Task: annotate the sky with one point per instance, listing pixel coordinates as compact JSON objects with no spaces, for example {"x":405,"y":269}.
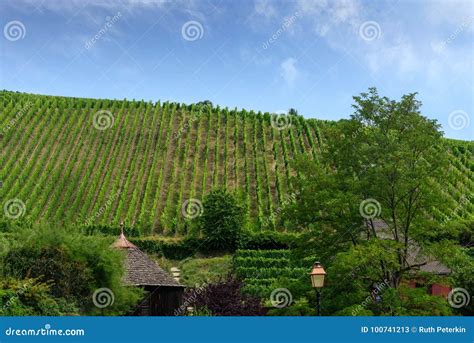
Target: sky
{"x":269,"y":56}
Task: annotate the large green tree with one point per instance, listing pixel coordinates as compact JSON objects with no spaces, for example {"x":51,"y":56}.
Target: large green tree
{"x":378,"y":166}
{"x":222,"y":220}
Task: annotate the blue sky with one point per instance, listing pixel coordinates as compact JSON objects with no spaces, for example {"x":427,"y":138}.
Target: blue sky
{"x":263,"y":55}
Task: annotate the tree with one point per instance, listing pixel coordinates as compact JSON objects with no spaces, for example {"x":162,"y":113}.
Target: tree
{"x":381,"y":163}
{"x":30,"y":297}
{"x":73,"y":266}
{"x":356,"y":285}
{"x":222,"y":220}
{"x":292,"y":112}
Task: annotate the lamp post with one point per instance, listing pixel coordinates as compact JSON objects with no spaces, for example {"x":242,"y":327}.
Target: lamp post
{"x":317,"y":280}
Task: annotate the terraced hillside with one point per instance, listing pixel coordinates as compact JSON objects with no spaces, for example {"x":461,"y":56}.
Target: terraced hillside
{"x":97,"y":162}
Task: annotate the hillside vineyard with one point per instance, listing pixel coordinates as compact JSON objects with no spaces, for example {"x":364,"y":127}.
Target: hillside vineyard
{"x":101,"y":162}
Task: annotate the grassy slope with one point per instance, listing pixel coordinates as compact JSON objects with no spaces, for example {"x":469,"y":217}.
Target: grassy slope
{"x":155,"y":156}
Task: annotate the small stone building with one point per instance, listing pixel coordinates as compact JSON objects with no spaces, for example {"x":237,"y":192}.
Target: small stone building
{"x":163,"y":294}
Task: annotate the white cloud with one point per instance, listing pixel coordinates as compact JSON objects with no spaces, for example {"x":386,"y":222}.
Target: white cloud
{"x":453,"y":13}
{"x":288,"y":71}
{"x":330,"y":15}
{"x":265,"y":8}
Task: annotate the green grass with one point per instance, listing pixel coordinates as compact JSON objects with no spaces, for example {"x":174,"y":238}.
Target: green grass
{"x":197,"y":271}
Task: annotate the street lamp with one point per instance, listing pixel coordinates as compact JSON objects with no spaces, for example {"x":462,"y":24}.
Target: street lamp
{"x":317,"y":280}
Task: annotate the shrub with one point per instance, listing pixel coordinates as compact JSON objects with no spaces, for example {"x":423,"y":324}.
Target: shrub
{"x":171,"y":249}
{"x":30,"y":297}
{"x":73,"y":265}
{"x":222,"y":220}
{"x":266,"y":240}
{"x":225,"y":298}
{"x":300,"y":307}
{"x":204,"y":270}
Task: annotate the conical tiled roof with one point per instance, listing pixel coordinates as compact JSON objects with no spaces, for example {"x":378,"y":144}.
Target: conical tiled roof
{"x":140,"y":269}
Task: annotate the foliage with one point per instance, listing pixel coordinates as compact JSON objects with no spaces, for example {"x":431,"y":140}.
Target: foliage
{"x":116,"y":174}
{"x":222,"y":220}
{"x":414,"y":302}
{"x":381,"y":163}
{"x":301,"y":307}
{"x":30,"y":297}
{"x":462,"y":268}
{"x":262,"y":271}
{"x":225,"y":298}
{"x":74,"y":267}
{"x":358,"y":285}
{"x":266,"y":240}
{"x":175,"y":249}
{"x":199,"y":271}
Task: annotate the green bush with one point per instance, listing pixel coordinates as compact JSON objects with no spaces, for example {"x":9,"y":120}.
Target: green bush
{"x":266,"y":240}
{"x":30,"y":297}
{"x":111,"y":230}
{"x":300,"y":307}
{"x":171,"y":249}
{"x":199,"y":271}
{"x":73,"y":265}
{"x":221,"y":221}
{"x":279,"y":254}
{"x":272,"y":272}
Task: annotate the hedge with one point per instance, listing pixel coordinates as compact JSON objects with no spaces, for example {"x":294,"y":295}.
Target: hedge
{"x":266,"y":240}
